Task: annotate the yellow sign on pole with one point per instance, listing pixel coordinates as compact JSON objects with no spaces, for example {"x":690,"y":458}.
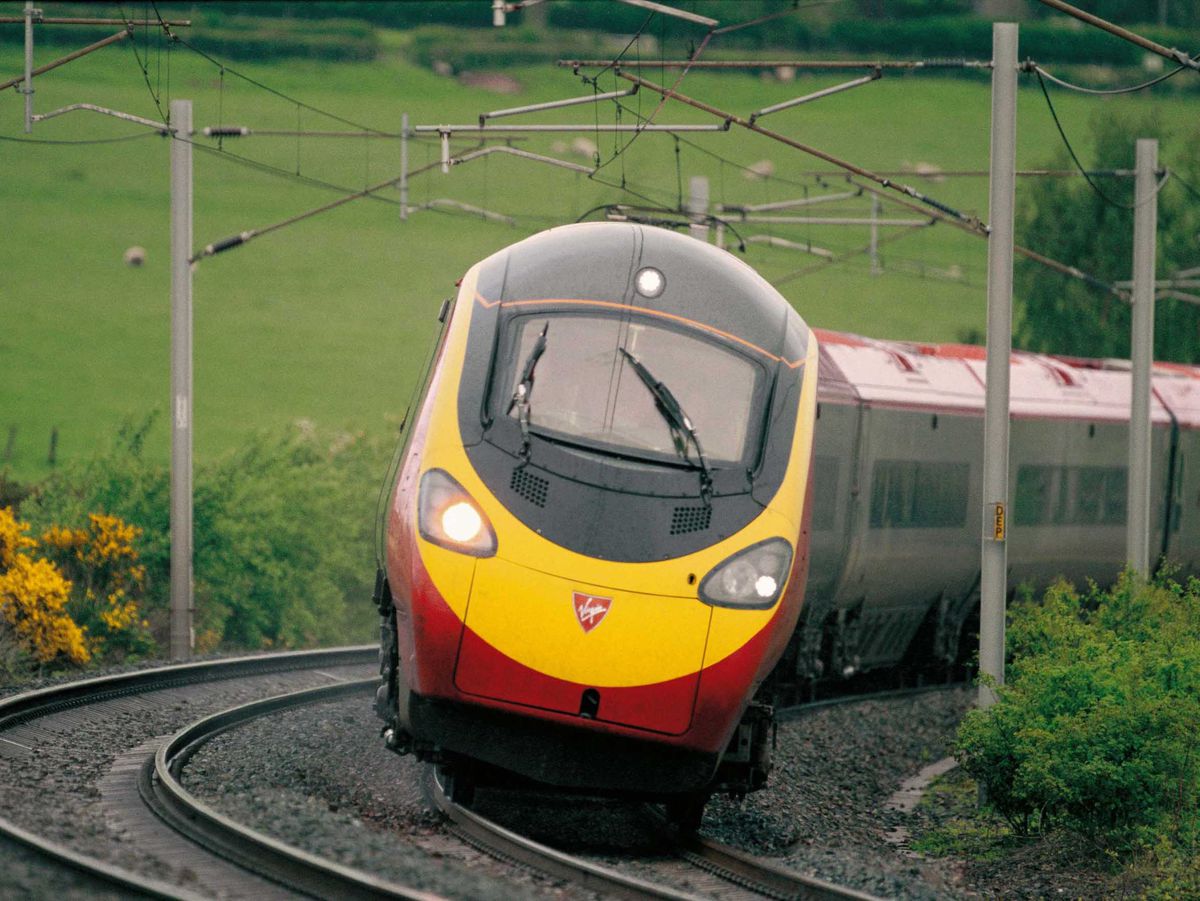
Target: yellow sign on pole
{"x":998,"y":523}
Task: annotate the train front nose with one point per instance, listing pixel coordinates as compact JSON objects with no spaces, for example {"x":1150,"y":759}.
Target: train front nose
{"x":552,"y":643}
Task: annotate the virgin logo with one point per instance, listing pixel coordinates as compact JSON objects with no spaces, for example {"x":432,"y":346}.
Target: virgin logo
{"x":590,"y":610}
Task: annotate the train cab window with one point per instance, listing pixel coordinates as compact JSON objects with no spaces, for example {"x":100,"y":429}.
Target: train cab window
{"x":919,"y":494}
{"x":586,"y":389}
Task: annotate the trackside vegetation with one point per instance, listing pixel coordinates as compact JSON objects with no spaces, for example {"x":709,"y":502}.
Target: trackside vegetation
{"x":1095,"y":730}
{"x":283,"y":529}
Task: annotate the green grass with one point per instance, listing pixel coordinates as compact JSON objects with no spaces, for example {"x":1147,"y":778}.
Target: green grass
{"x":960,"y":828}
{"x":330,"y":319}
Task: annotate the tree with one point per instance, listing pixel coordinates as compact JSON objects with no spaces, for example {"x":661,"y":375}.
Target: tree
{"x":1068,"y":220}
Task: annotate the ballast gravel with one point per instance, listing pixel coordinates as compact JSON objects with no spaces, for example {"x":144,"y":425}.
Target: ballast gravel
{"x":51,"y":768}
{"x":318,"y":777}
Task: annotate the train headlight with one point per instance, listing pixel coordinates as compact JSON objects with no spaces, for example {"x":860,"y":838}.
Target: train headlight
{"x":462,"y":522}
{"x":750,"y":579}
{"x":447,"y":516}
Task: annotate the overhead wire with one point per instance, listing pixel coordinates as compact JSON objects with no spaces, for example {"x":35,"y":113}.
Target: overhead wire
{"x":692,"y":57}
{"x":1106,"y":92}
{"x":260,"y":85}
{"x":117,"y":140}
{"x":624,"y":186}
{"x":842,"y":258}
{"x":278,"y":171}
{"x":796,"y":7}
{"x":145,"y":70}
{"x":634,"y":42}
{"x":1075,"y":157}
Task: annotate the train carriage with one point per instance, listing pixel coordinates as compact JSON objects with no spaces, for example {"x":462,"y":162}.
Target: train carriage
{"x":897,"y":469}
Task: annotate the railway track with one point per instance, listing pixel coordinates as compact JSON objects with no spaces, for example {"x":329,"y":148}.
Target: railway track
{"x":143,"y":790}
{"x":160,"y":787}
{"x":712,"y":869}
{"x":216,"y":855}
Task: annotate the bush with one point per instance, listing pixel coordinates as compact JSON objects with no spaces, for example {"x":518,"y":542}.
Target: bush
{"x":264,"y":39}
{"x":33,"y":601}
{"x":282,"y":534}
{"x":231,"y":37}
{"x":512,"y":46}
{"x":106,"y":584}
{"x":1096,"y":728}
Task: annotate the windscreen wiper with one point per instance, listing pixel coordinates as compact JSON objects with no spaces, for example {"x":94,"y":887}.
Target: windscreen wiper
{"x":520,"y":398}
{"x":680,"y":425}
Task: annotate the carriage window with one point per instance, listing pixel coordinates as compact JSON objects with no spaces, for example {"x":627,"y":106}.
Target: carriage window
{"x":919,"y":494}
{"x":825,"y":492}
{"x":1071,"y":495}
{"x":585,"y":389}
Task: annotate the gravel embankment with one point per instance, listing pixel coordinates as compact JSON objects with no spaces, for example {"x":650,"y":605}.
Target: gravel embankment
{"x":328,"y":785}
{"x":825,"y":810}
{"x":49,"y":778}
{"x":25,"y":874}
{"x":320,"y":778}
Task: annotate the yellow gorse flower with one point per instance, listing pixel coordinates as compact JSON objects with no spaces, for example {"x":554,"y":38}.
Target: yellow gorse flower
{"x":63,"y":539}
{"x":33,"y":600}
{"x":37,"y":599}
{"x":13,"y":541}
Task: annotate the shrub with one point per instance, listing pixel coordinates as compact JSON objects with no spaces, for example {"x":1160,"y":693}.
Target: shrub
{"x":282,"y":533}
{"x":1096,"y":728}
{"x":107,"y":583}
{"x":514,"y":46}
{"x":33,"y":600}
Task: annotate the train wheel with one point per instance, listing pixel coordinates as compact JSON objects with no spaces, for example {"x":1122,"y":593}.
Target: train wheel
{"x":458,"y":782}
{"x":687,"y":811}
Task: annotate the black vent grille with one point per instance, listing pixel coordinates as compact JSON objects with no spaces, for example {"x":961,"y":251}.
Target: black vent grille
{"x":690,"y":519}
{"x":532,"y":488}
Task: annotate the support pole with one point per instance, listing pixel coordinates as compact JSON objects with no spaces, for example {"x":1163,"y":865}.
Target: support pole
{"x":1145,"y":218}
{"x":993,"y":591}
{"x":404,"y":167}
{"x":181,"y":380}
{"x":697,"y":207}
{"x":27,"y":89}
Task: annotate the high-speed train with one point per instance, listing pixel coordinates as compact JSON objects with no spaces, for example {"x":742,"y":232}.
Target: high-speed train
{"x":596,"y":540}
{"x":640,"y":501}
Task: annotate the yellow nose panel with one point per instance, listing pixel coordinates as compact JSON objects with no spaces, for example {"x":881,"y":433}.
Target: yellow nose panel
{"x":537,"y":620}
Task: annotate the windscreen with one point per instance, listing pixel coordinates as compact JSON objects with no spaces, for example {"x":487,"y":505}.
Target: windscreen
{"x":585,"y":389}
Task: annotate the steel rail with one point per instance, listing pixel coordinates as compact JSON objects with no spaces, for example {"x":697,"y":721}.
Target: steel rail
{"x":764,"y":876}
{"x":26,"y":706}
{"x":494,"y":839}
{"x":761,"y":876}
{"x":250,"y":849}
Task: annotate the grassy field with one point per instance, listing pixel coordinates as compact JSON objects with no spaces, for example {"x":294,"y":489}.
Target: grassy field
{"x":329,"y":320}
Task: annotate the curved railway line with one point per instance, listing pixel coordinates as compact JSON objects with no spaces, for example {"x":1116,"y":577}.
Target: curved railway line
{"x":40,"y":722}
{"x":734,"y":873}
{"x":143,"y":790}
